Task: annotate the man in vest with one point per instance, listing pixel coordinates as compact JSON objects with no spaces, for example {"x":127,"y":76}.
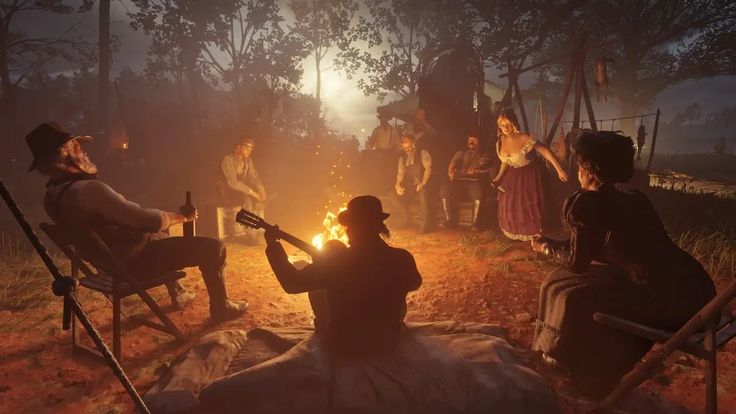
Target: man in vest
{"x":412,"y":179}
{"x":467,"y":173}
{"x":76,"y":199}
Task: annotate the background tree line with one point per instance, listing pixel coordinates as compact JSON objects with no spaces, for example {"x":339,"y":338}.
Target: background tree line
{"x":237,"y":65}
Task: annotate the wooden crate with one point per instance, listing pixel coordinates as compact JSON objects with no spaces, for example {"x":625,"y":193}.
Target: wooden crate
{"x":218,"y":221}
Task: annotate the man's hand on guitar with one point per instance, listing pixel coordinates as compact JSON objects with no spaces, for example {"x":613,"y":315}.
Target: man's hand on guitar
{"x":271,"y":234}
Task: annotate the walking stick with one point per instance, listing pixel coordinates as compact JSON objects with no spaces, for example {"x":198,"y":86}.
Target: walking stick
{"x":65,"y":286}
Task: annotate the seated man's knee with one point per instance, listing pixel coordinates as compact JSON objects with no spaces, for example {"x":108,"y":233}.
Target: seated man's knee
{"x":476,"y":190}
{"x":446,"y":190}
{"x":213,"y":250}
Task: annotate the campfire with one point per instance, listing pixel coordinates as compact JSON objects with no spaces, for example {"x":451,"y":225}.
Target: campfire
{"x":331,"y":230}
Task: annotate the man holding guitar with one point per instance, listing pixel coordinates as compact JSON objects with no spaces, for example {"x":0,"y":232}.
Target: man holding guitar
{"x":366,"y":284}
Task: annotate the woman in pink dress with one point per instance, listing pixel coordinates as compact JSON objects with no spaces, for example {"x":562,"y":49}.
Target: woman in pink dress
{"x":519,"y":180}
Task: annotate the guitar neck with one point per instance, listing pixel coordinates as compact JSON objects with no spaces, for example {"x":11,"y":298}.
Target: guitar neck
{"x":299,"y":243}
{"x":251,"y":220}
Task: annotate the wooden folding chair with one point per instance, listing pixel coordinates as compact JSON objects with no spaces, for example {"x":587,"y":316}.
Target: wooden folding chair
{"x":701,"y":337}
{"x":111,"y":278}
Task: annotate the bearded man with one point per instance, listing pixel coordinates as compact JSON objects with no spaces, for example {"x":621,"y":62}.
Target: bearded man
{"x":76,"y":198}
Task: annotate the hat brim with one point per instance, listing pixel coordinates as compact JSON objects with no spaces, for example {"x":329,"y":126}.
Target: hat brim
{"x":345,"y":217}
{"x":84,"y":139}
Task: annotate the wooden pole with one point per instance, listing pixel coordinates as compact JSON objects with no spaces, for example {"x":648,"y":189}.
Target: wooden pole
{"x":588,"y":103}
{"x":578,"y":88}
{"x":561,"y":105}
{"x":654,"y":141}
{"x":519,"y":99}
{"x":103,"y":66}
{"x":544,"y":121}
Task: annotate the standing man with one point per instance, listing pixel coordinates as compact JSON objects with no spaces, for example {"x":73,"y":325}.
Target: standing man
{"x":467,"y":172}
{"x":412,"y":180}
{"x":380,"y":156}
{"x":75,"y":198}
{"x":384,"y":136}
{"x":238,"y":182}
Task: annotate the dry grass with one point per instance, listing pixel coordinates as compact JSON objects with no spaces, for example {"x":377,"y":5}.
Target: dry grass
{"x":485,"y":245}
{"x":716,"y":251}
{"x":25,"y":282}
{"x":701,"y":224}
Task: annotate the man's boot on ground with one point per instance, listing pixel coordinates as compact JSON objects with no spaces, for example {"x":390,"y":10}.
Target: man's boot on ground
{"x":229,"y":310}
{"x":180,"y":297}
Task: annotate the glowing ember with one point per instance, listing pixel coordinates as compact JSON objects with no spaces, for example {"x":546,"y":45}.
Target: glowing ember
{"x":331,"y":230}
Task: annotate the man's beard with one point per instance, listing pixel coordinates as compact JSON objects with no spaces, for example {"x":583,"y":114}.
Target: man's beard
{"x":83,"y":163}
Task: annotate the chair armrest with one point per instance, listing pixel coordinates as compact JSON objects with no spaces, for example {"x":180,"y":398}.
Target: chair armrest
{"x":693,"y":346}
{"x":633,"y":328}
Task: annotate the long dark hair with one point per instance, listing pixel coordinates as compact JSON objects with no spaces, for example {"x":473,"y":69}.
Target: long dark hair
{"x":608,"y":155}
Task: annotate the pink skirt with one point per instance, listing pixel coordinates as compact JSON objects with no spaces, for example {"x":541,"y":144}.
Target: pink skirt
{"x":520,"y":207}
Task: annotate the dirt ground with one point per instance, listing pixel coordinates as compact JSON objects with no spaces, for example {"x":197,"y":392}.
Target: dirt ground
{"x":481,"y":277}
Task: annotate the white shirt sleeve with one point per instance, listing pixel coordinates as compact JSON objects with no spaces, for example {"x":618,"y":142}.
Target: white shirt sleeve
{"x":231,"y":176}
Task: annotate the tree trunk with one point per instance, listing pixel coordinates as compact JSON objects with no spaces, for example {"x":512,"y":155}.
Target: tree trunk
{"x":5,"y":83}
{"x":318,"y":92}
{"x":104,"y":67}
{"x":8,"y":97}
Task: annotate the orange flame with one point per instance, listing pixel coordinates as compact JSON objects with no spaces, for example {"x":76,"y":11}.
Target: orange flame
{"x":331,"y":230}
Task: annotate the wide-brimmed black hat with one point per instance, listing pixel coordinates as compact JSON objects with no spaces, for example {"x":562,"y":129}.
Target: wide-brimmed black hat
{"x":362,"y":208}
{"x":47,"y":138}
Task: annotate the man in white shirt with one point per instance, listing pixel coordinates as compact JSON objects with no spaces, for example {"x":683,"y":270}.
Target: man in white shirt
{"x":380,"y":156}
{"x":76,"y":198}
{"x":238,"y":182}
{"x":384,"y":136}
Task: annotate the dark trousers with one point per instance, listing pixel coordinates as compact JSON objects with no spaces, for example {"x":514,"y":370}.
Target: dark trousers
{"x":401,"y":204}
{"x":175,"y":253}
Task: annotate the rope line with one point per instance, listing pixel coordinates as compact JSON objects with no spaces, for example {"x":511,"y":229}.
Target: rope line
{"x":642,"y":116}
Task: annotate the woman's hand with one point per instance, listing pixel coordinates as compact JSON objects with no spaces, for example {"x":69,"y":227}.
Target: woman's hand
{"x":563,"y":175}
{"x":538,"y":243}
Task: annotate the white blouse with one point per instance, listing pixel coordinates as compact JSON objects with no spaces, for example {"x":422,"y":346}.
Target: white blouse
{"x":521,"y":158}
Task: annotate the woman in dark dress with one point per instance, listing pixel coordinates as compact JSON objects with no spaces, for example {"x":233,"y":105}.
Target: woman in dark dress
{"x":639,"y":273}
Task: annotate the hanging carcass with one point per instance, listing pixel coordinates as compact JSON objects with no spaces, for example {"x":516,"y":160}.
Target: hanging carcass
{"x":601,"y":77}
